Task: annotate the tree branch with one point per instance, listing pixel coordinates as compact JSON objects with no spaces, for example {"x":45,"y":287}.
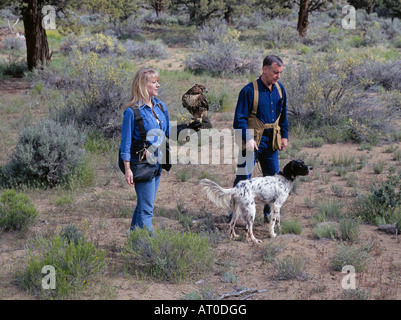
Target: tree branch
{"x":240,"y":292}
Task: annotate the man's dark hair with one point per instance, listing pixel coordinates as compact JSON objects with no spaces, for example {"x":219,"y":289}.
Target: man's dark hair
{"x":270,"y":59}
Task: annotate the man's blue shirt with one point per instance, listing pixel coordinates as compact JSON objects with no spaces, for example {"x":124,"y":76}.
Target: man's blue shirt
{"x":155,"y":133}
{"x":269,"y":109}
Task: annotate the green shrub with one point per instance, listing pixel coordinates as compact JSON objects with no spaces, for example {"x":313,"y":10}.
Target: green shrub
{"x":373,"y":35}
{"x":397,"y":155}
{"x":151,"y":49}
{"x":291,"y":226}
{"x":327,"y":209}
{"x":229,"y":277}
{"x":17,"y":211}
{"x":83,"y":176}
{"x":204,"y":225}
{"x":271,"y":250}
{"x":14,"y":69}
{"x":304,"y":50}
{"x":98,"y":94}
{"x":346,"y":229}
{"x":387,"y":194}
{"x":99,"y":43}
{"x":329,"y":92}
{"x":168,"y":255}
{"x":397,"y":42}
{"x":357,"y":41}
{"x":291,"y":268}
{"x":382,"y":204}
{"x":383,"y":72}
{"x":325,"y":230}
{"x":44,"y":155}
{"x":98,"y":144}
{"x":184,"y":216}
{"x":14,"y":62}
{"x":219,"y":99}
{"x":355,"y":294}
{"x":378,"y":167}
{"x":338,"y":190}
{"x":71,"y":233}
{"x":208,"y":175}
{"x":205,"y":293}
{"x":281,"y":35}
{"x":13,"y":44}
{"x":356,"y":256}
{"x":184,"y":174}
{"x":392,"y":100}
{"x":314,"y":142}
{"x":349,"y":229}
{"x":342,"y":160}
{"x":75,"y":263}
{"x":219,"y":51}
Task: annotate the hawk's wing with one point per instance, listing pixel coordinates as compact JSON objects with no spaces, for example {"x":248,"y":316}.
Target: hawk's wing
{"x":188,"y":102}
{"x":202,"y":102}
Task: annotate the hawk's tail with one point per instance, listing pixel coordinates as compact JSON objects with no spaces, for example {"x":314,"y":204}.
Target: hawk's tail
{"x":218,"y":195}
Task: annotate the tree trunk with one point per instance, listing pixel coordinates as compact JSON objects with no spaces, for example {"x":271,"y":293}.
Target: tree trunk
{"x":36,"y":41}
{"x":303,"y":18}
{"x":371,"y":7}
{"x":228,"y":15}
{"x":192,"y":14}
{"x":158,"y":7}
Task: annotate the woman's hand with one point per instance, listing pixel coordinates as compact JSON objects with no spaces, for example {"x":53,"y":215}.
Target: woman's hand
{"x":129,"y":177}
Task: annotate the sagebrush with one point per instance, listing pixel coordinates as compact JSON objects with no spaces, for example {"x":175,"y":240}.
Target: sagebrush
{"x":45,"y":154}
{"x":75,"y":263}
{"x":99,"y":92}
{"x":218,"y":50}
{"x":17,"y":211}
{"x":167,"y":254}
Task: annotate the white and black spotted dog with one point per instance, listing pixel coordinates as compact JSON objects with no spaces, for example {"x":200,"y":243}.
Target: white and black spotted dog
{"x":241,"y":199}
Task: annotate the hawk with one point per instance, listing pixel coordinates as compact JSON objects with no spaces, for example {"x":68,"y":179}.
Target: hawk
{"x":196,"y":103}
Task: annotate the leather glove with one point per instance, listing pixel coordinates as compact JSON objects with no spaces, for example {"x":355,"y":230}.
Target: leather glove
{"x":194,"y":125}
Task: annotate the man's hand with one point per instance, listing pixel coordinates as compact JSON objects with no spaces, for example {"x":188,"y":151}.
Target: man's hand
{"x":251,"y":145}
{"x":284,"y":144}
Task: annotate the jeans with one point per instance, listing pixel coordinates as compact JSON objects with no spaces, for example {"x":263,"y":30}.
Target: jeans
{"x":269,"y":164}
{"x":146,"y":195}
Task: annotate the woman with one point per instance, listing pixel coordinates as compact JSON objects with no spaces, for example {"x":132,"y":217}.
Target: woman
{"x":155,"y":117}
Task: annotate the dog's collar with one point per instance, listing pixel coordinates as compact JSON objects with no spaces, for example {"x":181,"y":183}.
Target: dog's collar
{"x":291,"y":178}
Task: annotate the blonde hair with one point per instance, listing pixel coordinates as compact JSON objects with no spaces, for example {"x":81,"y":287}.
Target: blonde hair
{"x":139,"y":92}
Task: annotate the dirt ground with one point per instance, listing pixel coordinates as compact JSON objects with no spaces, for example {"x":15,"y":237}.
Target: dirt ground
{"x":95,"y":211}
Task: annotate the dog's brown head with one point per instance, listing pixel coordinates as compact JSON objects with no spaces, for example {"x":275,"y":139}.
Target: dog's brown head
{"x":296,"y":168}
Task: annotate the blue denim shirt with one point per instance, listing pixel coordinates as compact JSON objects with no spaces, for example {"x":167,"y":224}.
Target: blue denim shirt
{"x":268,"y":110}
{"x":156,"y":134}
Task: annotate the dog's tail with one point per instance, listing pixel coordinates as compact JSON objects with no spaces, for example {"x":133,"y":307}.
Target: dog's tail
{"x":220,"y":196}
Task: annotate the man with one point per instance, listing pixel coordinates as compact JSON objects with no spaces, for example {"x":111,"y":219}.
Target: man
{"x":272,"y":105}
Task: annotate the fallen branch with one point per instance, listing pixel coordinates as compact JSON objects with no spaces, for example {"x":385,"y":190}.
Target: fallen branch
{"x":241,"y":292}
{"x":388,"y":228}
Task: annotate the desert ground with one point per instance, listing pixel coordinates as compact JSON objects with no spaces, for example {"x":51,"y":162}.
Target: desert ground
{"x":97,"y":212}
{"x":241,"y":270}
